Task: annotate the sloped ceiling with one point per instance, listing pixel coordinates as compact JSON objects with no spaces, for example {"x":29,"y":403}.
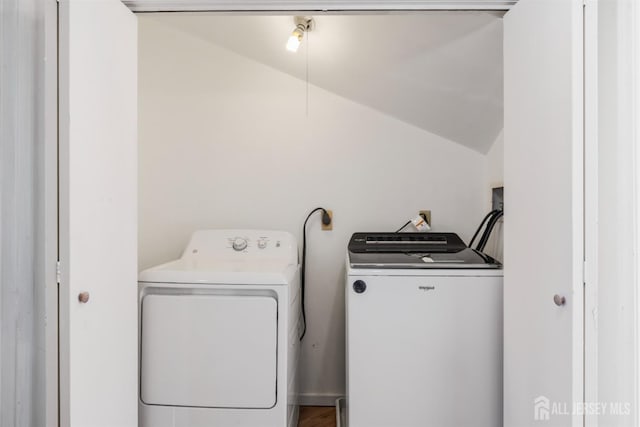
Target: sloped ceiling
{"x":440,"y":71}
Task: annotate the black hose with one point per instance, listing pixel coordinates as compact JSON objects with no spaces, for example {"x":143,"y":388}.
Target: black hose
{"x":481,"y":225}
{"x":488,"y":231}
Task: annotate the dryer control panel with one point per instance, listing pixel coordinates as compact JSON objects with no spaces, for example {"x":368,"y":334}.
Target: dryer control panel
{"x":248,"y":244}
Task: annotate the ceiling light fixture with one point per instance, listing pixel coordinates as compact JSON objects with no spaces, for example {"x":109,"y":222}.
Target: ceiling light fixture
{"x":303,"y":24}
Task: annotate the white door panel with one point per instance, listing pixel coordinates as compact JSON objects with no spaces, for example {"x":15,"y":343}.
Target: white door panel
{"x":209,"y":351}
{"x":98,"y":213}
{"x":543,"y":204}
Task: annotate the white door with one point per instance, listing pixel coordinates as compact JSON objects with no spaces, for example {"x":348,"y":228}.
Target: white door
{"x":543,"y":379}
{"x":98,"y":213}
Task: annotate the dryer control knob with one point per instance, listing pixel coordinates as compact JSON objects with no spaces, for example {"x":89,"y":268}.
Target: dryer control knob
{"x":359,"y":286}
{"x":239,"y":244}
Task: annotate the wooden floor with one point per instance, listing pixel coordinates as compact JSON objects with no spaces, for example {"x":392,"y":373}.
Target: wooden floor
{"x":317,"y":416}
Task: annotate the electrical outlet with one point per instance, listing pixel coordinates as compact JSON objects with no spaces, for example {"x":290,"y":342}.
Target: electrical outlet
{"x":328,"y":227}
{"x":427,"y":215}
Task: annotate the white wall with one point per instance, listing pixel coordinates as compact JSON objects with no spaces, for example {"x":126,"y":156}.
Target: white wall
{"x":616,"y":289}
{"x":225,"y":142}
{"x":495,"y":163}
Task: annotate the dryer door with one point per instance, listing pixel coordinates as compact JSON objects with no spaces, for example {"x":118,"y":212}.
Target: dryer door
{"x":214,"y":351}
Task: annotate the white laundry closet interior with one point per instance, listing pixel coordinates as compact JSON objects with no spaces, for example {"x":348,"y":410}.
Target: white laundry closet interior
{"x":375,"y":117}
{"x":378,"y":115}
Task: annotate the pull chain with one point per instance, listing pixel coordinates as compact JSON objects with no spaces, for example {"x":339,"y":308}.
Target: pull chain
{"x":307,"y":75}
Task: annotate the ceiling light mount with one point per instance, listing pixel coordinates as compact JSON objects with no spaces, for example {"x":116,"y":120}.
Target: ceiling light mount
{"x":303,"y":24}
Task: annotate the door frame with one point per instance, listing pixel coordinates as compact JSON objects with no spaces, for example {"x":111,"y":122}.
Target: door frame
{"x":50,"y":240}
{"x":51,"y":166}
{"x":635,"y":59}
{"x":590,"y":208}
{"x":292,"y":6}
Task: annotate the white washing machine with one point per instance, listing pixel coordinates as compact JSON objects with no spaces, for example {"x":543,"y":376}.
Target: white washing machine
{"x":424,"y":332}
{"x":219,"y":333}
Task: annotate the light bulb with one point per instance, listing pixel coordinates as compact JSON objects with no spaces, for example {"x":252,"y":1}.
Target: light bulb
{"x":294,"y":41}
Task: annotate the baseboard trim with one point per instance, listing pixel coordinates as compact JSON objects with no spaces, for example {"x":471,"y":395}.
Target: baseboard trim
{"x":317,"y":399}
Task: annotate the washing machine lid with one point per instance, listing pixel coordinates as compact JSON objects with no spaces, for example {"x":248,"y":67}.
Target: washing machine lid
{"x":415,"y":251}
{"x":465,"y":259}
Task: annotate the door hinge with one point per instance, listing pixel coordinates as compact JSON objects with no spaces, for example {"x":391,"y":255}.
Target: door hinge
{"x":58,"y":274}
{"x":584,"y":272}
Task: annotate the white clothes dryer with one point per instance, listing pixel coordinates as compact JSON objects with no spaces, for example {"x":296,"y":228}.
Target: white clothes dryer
{"x":219,"y":333}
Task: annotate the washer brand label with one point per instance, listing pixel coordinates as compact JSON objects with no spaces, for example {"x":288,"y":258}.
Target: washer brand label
{"x":426,"y":288}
